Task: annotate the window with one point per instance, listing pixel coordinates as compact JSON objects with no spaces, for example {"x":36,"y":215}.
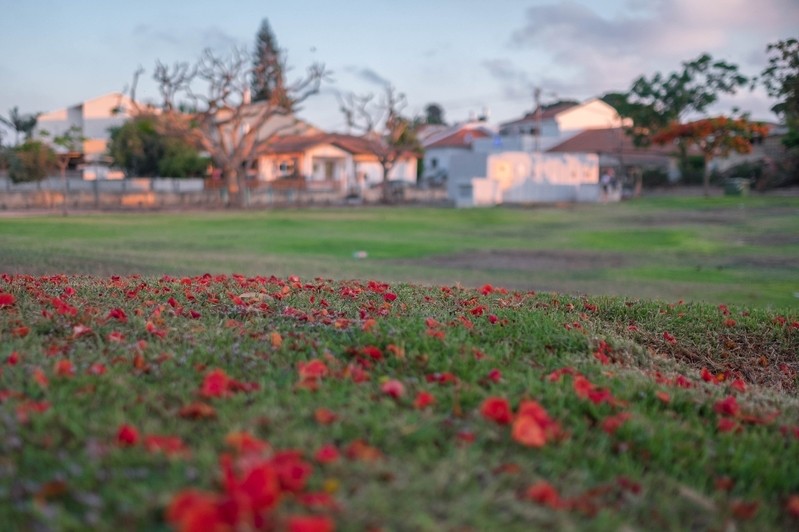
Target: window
{"x":434,"y":163}
{"x":286,"y":167}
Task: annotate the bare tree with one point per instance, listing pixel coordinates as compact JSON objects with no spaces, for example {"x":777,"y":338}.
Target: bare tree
{"x":391,"y":135}
{"x":225,"y":123}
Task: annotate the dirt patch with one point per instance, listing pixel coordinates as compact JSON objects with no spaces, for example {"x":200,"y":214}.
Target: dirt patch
{"x":524,"y":260}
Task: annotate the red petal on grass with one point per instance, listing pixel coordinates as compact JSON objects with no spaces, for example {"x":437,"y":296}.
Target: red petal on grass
{"x":127,"y":435}
{"x":310,"y":523}
{"x":497,"y":409}
{"x":244,"y":442}
{"x":327,"y":454}
{"x":215,"y":384}
{"x":423,"y":400}
{"x":544,"y":493}
{"x":393,"y":388}
{"x":727,"y":406}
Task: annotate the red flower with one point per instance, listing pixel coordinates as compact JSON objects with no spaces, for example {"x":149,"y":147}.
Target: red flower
{"x":793,"y":505}
{"x":393,"y":388}
{"x":64,"y":368}
{"x":497,"y":409}
{"x":244,"y":442}
{"x":12,"y":359}
{"x":423,"y":400}
{"x":533,"y":426}
{"x":582,"y":386}
{"x":544,"y":493}
{"x":612,"y":423}
{"x":528,"y":431}
{"x":327,"y":453}
{"x":127,"y":435}
{"x":727,"y":406}
{"x":6,"y":299}
{"x":118,"y":314}
{"x":310,"y":523}
{"x":169,"y":445}
{"x":292,"y":470}
{"x":215,"y":384}
{"x":486,"y":289}
{"x":669,"y":338}
{"x":324,"y":416}
{"x":194,"y":511}
{"x":389,"y":297}
{"x":312,"y":370}
{"x":494,"y":375}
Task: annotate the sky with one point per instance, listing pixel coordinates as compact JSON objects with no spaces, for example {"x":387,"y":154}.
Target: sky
{"x":468,"y":56}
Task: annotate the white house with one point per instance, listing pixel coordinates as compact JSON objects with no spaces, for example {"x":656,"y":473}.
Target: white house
{"x":93,"y":118}
{"x":448,"y":142}
{"x":328,"y":161}
{"x":561,"y":119}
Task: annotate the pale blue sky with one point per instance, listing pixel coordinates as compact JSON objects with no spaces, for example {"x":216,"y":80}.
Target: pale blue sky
{"x":462,"y":54}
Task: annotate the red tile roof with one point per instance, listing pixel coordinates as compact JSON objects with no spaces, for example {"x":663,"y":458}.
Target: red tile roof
{"x":300,"y":143}
{"x":462,"y":138}
{"x":610,"y":141}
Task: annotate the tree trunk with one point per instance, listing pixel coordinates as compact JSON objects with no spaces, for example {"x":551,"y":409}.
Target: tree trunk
{"x":706,"y":177}
{"x":233,"y":188}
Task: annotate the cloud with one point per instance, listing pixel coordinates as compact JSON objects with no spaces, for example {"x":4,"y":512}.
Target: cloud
{"x":189,"y":41}
{"x":368,"y":75}
{"x":600,"y":51}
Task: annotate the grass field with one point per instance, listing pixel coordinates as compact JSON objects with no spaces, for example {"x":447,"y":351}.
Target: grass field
{"x":314,"y":391}
{"x":214,"y":402}
{"x":724,"y":250}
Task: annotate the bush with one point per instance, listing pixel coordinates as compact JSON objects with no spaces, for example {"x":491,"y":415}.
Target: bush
{"x":31,"y":161}
{"x":655,"y":177}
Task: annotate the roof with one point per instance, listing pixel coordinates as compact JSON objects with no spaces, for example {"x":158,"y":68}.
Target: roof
{"x":546,"y":114}
{"x":459,"y":139}
{"x":299,"y":143}
{"x":609,"y":141}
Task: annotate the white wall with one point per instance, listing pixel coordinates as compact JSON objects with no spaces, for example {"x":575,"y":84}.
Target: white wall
{"x":592,"y":114}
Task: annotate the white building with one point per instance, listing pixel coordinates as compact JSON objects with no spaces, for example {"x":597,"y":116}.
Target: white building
{"x":523,"y":177}
{"x":93,"y":118}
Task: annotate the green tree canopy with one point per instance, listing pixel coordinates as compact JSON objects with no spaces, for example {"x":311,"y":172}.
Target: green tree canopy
{"x":781,"y":80}
{"x":434,"y":114}
{"x":140,"y":148}
{"x":30,"y":161}
{"x":663,"y":100}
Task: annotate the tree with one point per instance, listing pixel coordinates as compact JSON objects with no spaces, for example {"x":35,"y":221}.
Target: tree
{"x":781,"y":80}
{"x":143,"y":146}
{"x":69,"y":143}
{"x":267,"y":68}
{"x":21,"y":123}
{"x":226,"y":124}
{"x":30,"y":161}
{"x":660,"y":102}
{"x":714,"y":137}
{"x":137,"y":147}
{"x":391,"y":135}
{"x":434,"y":114}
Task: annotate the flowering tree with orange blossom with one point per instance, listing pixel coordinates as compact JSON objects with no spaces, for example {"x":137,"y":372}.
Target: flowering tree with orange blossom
{"x":714,"y":137}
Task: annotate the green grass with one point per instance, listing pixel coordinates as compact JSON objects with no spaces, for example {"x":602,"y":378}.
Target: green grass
{"x":722,"y":250}
{"x":671,"y":464}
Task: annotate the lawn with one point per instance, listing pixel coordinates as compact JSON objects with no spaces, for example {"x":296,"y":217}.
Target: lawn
{"x":723,"y":250}
{"x":306,"y":404}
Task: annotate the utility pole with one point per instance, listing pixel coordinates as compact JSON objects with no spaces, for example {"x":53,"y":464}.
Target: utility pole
{"x":537,"y":100}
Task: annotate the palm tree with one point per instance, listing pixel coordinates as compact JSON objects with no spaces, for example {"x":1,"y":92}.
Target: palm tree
{"x":21,"y":123}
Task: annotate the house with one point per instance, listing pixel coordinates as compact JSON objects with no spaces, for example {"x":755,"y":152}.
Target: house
{"x":327,"y":161}
{"x":615,"y":149}
{"x":94,"y":118}
{"x":562,"y":118}
{"x":441,"y":145}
